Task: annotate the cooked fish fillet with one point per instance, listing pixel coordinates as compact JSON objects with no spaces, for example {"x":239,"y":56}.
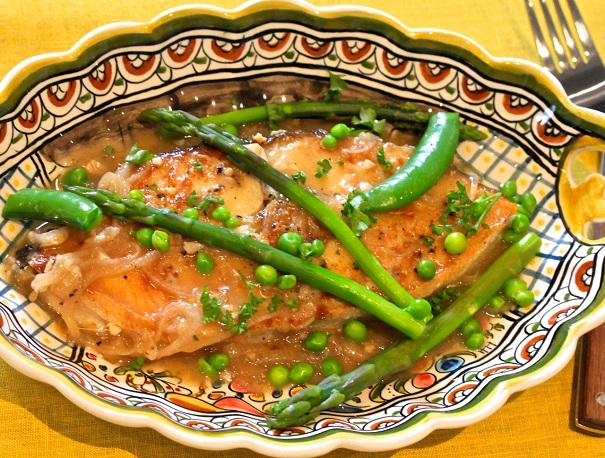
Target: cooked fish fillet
{"x":129,"y":301}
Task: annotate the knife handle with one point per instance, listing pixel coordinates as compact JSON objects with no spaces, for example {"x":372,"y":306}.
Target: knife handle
{"x":590,"y":407}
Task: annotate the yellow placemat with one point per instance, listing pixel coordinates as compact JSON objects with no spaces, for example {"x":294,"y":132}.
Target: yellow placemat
{"x":37,"y":421}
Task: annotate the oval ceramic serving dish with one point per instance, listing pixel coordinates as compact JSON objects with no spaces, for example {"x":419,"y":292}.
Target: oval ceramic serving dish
{"x":190,"y":52}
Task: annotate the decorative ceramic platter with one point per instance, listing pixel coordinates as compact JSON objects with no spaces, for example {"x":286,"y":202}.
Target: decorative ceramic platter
{"x":195,"y":53}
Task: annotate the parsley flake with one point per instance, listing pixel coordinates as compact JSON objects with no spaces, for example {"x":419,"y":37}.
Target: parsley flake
{"x":367,"y":119}
{"x":213,"y":310}
{"x":382,"y":160}
{"x":198,"y":165}
{"x":138,"y":156}
{"x":356,"y":211}
{"x":468,"y":214}
{"x":337,"y":85}
{"x":276,"y":301}
{"x":136,"y":365}
{"x":324,"y":168}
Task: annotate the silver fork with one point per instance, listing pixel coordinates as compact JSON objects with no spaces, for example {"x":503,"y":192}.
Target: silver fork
{"x":568,"y":51}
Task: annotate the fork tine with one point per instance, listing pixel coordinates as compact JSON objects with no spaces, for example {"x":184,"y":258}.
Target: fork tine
{"x":561,"y":57}
{"x":572,"y":48}
{"x":540,"y":38}
{"x":573,"y":59}
{"x":582,"y":31}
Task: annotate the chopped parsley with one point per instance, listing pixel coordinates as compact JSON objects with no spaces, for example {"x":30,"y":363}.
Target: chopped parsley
{"x":138,"y":156}
{"x":355,"y":210}
{"x":292,"y":303}
{"x":382,"y":160}
{"x":367,"y":119}
{"x":213,"y":310}
{"x":198,"y":166}
{"x":324,"y":168}
{"x":109,"y":150}
{"x":337,"y":85}
{"x":276,"y":301}
{"x":428,"y":241}
{"x":211,"y":306}
{"x":136,"y":365}
{"x":467,"y":213}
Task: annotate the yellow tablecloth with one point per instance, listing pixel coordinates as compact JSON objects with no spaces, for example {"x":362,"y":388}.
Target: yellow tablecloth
{"x":37,"y":421}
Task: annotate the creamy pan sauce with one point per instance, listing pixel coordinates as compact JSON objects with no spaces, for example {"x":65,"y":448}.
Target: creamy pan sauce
{"x":127,"y":301}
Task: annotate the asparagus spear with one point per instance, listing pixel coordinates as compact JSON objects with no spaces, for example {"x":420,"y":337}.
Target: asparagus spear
{"x":406,"y":115}
{"x":334,"y":390}
{"x":305,"y":271}
{"x":186,"y":124}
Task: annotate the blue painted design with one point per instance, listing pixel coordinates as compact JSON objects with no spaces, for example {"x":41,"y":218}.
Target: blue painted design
{"x":449,"y":364}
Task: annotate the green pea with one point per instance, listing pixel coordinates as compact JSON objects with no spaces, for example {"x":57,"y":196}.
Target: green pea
{"x":510,"y":237}
{"x":523,"y":211}
{"x":136,"y":194}
{"x":316,"y":341}
{"x":232,"y":222}
{"x":206,"y":368}
{"x":331,"y":366}
{"x":419,"y":308}
{"x":355,"y":330}
{"x":278,"y":376}
{"x":77,"y":176}
{"x":329,"y":141}
{"x":496,"y":302}
{"x":519,"y":223}
{"x":286,"y":281}
{"x":470,"y":326}
{"x":231,"y":129}
{"x":524,"y":298}
{"x":192,"y":213}
{"x":426,"y":269}
{"x":509,"y":189}
{"x":528,"y":202}
{"x":312,"y":249}
{"x":301,"y":372}
{"x":143,"y":236}
{"x":289,"y":242}
{"x":221,"y":213}
{"x":160,"y":240}
{"x":340,"y":131}
{"x":204,"y":262}
{"x":318,"y":247}
{"x":475,"y":341}
{"x":266,"y":275}
{"x":306,"y":250}
{"x":455,"y":242}
{"x":219,"y":361}
{"x":512,"y":287}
